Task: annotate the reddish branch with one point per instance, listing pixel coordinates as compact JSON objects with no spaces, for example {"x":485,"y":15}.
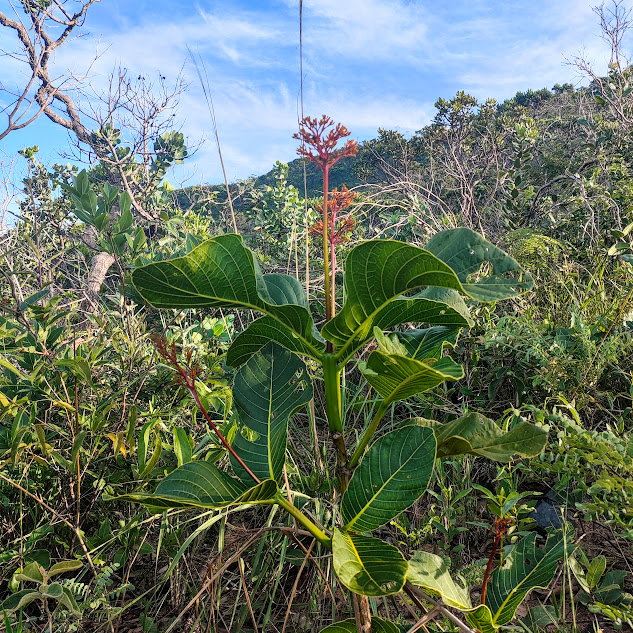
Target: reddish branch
{"x":186,"y":376}
{"x":501,"y":529}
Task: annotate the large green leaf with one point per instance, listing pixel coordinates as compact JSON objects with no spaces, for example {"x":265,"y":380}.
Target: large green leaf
{"x":20,"y":599}
{"x":392,"y":475}
{"x":433,"y":305}
{"x":525,"y":568}
{"x":428,"y":342}
{"x":367,"y":565}
{"x":200,"y":484}
{"x":377,"y":274}
{"x":378,"y":625}
{"x":267,"y":390}
{"x":432,"y":573}
{"x":485,"y":271}
{"x":482,"y":619}
{"x":222,"y":273}
{"x":283,"y":290}
{"x":395,"y":376}
{"x":259,"y":333}
{"x":478,"y":435}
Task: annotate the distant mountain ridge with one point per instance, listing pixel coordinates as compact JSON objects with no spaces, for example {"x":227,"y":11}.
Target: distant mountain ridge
{"x":342,"y":173}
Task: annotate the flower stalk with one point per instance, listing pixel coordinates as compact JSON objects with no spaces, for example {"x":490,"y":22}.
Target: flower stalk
{"x":319,"y":139}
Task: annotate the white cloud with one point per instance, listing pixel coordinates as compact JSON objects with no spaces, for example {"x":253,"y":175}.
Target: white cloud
{"x":366,"y":29}
{"x":535,"y":56}
{"x":367,"y":63}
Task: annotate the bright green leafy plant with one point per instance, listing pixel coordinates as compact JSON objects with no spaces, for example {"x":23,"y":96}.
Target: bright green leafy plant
{"x":525,"y":568}
{"x":603,"y":591}
{"x":387,"y":283}
{"x":46,"y":590}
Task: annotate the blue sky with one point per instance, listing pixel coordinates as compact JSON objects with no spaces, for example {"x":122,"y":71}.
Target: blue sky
{"x":367,"y":63}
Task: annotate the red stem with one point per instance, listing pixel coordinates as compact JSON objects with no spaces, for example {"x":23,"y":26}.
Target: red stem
{"x":333,"y":272}
{"x":194,"y":393}
{"x":192,"y":389}
{"x":495,"y":547}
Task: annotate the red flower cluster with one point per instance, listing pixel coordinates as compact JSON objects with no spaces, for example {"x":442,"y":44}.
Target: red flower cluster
{"x":312,"y":133}
{"x":319,"y":139}
{"x":337,"y":201}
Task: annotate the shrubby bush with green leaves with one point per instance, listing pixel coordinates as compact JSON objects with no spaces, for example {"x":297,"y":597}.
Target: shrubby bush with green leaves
{"x":307,"y":433}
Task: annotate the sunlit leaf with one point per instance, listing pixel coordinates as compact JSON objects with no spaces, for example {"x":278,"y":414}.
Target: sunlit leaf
{"x":64,"y":566}
{"x":395,"y":376}
{"x":200,"y":484}
{"x":478,"y":435}
{"x":525,"y":568}
{"x":428,"y":342}
{"x":392,"y":475}
{"x":31,"y":573}
{"x":485,"y":271}
{"x":377,"y":274}
{"x":222,"y":273}
{"x":432,"y":573}
{"x":268,"y":389}
{"x":367,"y":565}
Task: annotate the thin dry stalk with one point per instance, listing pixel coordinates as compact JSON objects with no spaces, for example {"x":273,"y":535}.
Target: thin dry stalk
{"x":427,"y":617}
{"x":204,"y":82}
{"x":240,"y":564}
{"x":416,"y":594}
{"x":293,"y":593}
{"x":209,"y":581}
{"x":66,"y":522}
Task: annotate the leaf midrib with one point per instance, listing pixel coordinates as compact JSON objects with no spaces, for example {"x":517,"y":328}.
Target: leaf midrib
{"x":246,"y":306}
{"x":516,"y":588}
{"x":349,"y":524}
{"x":348,"y":538}
{"x":339,"y":356}
{"x":390,"y":398}
{"x":488,"y":447}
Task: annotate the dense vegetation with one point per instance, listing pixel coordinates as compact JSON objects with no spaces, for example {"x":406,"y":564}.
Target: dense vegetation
{"x":191,"y":421}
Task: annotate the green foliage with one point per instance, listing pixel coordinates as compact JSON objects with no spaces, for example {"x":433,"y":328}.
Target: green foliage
{"x":278,"y":218}
{"x":393,"y":474}
{"x":478,"y":435}
{"x":523,"y":360}
{"x":91,"y":418}
{"x":396,"y":376}
{"x":396,"y":469}
{"x":527,"y":567}
{"x":597,"y":464}
{"x":268,"y":389}
{"x":200,"y":484}
{"x":46,"y":591}
{"x":602,"y":592}
{"x":535,"y":252}
{"x":222,"y":273}
{"x":367,"y":565}
{"x":349,"y":626}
